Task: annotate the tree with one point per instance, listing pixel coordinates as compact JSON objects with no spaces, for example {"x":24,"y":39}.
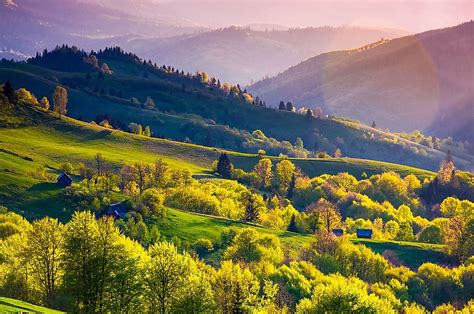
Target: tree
{"x":446,"y":172}
{"x":329,"y":217}
{"x":291,"y":187}
{"x":289,"y":106}
{"x":281,"y":106}
{"x":80,"y":261}
{"x":150,"y":202}
{"x":104,"y":69}
{"x":66,"y":167}
{"x":149,"y":103}
{"x":337,"y":153}
{"x":318,"y":113}
{"x":9,"y":91}
{"x":235,"y":289}
{"x":431,"y":234}
{"x":249,"y":246}
{"x":285,"y":170}
{"x":60,"y":100}
{"x":99,"y":164}
{"x":405,"y":233}
{"x":45,"y":251}
{"x":263,"y":170}
{"x":299,"y":143}
{"x":254,"y":204}
{"x":373,"y":124}
{"x":224,"y":166}
{"x":292,"y":225}
{"x":23,"y":94}
{"x":341,"y":295}
{"x":309,"y":114}
{"x":44,"y":103}
{"x":164,"y":276}
{"x":147,"y":131}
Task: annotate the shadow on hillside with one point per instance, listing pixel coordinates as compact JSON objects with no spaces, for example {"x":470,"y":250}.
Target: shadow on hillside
{"x":208,"y":174}
{"x":44,"y":186}
{"x":97,"y":135}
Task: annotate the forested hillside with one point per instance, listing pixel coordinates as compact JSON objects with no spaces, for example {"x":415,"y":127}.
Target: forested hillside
{"x":119,"y":89}
{"x":419,"y":82}
{"x":142,"y":216}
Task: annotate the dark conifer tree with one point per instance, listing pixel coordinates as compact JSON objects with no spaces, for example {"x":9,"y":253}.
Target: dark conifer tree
{"x":291,"y":187}
{"x":292,"y":225}
{"x":289,"y":106}
{"x":281,"y":106}
{"x":309,"y":114}
{"x":9,"y":91}
{"x":224,"y":166}
{"x":252,"y":211}
{"x":373,"y":124}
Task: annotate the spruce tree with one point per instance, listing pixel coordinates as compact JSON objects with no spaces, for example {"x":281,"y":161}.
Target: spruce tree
{"x":292,"y":225}
{"x":309,"y":114}
{"x":252,"y":207}
{"x":281,"y":106}
{"x":291,"y":187}
{"x":224,"y":166}
{"x":9,"y":91}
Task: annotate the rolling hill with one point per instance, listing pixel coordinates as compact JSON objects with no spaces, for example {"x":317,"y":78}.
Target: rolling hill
{"x":240,"y":55}
{"x":423,"y":82}
{"x":32,"y":139}
{"x":185,"y":108}
{"x":29,"y":26}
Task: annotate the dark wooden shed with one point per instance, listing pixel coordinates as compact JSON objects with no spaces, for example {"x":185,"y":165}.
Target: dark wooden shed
{"x":364,"y":233}
{"x":117,"y":211}
{"x":338,"y":232}
{"x":64,"y":180}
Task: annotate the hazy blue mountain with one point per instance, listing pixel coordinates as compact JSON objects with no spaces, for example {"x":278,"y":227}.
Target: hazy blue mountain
{"x":423,"y":81}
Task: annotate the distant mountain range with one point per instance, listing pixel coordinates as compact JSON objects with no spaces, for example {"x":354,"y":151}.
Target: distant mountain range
{"x":423,"y":81}
{"x":29,"y":26}
{"x":240,"y":55}
{"x":234,"y":54}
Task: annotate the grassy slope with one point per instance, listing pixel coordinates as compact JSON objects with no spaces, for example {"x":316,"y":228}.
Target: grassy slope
{"x":8,"y":305}
{"x":193,"y":226}
{"x":26,"y":133}
{"x":169,"y":96}
{"x":31,"y":139}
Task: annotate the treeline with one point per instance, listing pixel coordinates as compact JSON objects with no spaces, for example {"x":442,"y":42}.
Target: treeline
{"x":395,"y":208}
{"x":87,"y":265}
{"x":282,"y":197}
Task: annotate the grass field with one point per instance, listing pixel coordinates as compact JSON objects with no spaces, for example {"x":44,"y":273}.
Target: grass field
{"x":8,"y":305}
{"x":192,"y":226}
{"x":170,"y":97}
{"x":30,"y":139}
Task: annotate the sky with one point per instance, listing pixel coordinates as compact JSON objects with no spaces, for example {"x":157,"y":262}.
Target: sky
{"x":410,"y":15}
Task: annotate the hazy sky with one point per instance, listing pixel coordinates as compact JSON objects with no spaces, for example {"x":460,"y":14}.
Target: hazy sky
{"x":412,"y":15}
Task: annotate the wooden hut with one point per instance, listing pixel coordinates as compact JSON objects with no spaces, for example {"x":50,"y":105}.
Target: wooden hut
{"x":364,"y":233}
{"x":64,"y":180}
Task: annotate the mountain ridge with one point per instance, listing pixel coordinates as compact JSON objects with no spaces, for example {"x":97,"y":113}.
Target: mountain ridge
{"x":407,"y":83}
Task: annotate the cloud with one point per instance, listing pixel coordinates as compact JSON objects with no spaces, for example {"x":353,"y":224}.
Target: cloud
{"x":10,"y":3}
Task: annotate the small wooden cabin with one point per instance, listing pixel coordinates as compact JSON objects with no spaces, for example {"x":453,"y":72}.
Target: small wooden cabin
{"x":364,"y":233}
{"x":338,"y":232}
{"x":117,"y":211}
{"x":64,"y":180}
